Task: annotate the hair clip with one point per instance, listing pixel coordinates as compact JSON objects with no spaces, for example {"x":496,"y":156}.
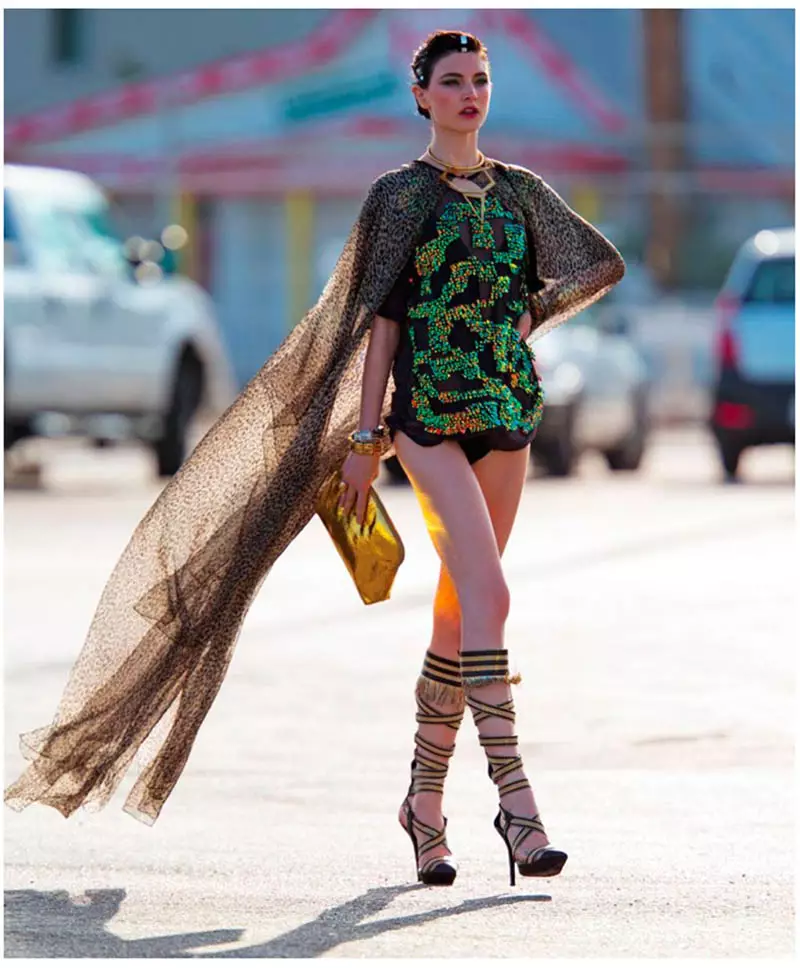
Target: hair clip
{"x":464,"y":42}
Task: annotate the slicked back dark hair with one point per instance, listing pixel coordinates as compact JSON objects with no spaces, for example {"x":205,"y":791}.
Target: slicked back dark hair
{"x":436,"y":46}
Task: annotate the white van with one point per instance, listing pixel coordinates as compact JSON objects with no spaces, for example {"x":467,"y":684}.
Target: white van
{"x":87,"y":346}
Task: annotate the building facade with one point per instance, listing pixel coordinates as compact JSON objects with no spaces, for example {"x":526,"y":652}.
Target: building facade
{"x":260,"y":130}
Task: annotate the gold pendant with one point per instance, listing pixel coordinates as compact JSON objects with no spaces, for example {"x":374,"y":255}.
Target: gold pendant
{"x":469,"y":196}
{"x":468,"y":200}
{"x":476,"y":192}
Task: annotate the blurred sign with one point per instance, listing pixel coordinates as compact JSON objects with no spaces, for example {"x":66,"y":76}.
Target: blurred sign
{"x":239,"y":72}
{"x":331,"y":98}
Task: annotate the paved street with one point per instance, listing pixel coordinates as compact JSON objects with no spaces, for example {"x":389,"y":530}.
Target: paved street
{"x":652,"y":621}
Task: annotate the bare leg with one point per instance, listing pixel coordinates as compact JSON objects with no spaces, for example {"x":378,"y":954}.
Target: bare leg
{"x":461,"y":528}
{"x":446,"y":636}
{"x":501,"y":476}
{"x":447,"y":466}
{"x":470,"y":528}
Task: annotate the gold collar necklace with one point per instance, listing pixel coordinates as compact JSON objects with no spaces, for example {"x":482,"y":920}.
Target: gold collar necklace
{"x":476,"y":191}
{"x":458,"y":169}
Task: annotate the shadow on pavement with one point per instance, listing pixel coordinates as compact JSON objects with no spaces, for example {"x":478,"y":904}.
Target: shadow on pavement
{"x":51,"y":924}
{"x":341,"y":925}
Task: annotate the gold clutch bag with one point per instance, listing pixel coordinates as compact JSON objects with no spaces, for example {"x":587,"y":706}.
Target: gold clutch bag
{"x":371,"y":552}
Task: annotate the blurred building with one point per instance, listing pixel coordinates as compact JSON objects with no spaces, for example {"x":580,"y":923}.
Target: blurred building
{"x":260,"y":130}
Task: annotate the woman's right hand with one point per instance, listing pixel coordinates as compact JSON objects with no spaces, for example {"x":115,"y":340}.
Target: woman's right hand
{"x":358,"y":473}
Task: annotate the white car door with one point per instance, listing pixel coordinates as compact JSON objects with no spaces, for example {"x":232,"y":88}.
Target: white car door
{"x":129,"y":335}
{"x":625,"y":363}
{"x":603,"y":416}
{"x":49,"y":299}
{"x":25,"y":371}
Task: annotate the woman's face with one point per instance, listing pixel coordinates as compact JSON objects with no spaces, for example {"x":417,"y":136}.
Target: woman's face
{"x":459,"y":91}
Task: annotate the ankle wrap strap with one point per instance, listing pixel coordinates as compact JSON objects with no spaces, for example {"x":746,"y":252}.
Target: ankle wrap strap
{"x":432,"y":714}
{"x":525,"y":824}
{"x":439,"y":669}
{"x":440,"y":702}
{"x":435,"y":838}
{"x":440,"y":686}
{"x":500,"y":765}
{"x":484,"y":666}
{"x":483,"y":710}
{"x":428,"y":774}
{"x":440,"y":696}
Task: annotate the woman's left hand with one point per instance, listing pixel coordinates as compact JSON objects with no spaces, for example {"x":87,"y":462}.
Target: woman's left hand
{"x":524,"y":324}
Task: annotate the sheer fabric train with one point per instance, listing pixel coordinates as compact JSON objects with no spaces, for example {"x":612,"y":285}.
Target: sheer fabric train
{"x":164,"y":631}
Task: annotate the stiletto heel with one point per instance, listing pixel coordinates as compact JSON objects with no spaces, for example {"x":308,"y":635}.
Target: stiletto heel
{"x":410,"y":831}
{"x":511,"y":870}
{"x":541,"y":861}
{"x":438,"y":871}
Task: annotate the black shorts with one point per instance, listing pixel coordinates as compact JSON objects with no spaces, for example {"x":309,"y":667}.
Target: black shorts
{"x":475,"y":447}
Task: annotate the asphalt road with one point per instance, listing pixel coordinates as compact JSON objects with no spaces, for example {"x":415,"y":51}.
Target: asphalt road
{"x":652,"y":620}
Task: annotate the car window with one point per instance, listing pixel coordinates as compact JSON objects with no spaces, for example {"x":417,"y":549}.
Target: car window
{"x":104,"y":249}
{"x":12,"y":249}
{"x":9,"y":228}
{"x":772,"y":282}
{"x":54,"y":240}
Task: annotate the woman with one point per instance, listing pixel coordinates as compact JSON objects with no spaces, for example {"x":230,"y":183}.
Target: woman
{"x":452,"y":262}
{"x":466,"y":406}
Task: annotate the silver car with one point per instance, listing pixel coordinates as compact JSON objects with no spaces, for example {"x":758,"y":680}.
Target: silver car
{"x":596,"y":394}
{"x":90,"y":348}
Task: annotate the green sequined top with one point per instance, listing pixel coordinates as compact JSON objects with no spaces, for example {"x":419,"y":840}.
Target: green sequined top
{"x":462,"y":369}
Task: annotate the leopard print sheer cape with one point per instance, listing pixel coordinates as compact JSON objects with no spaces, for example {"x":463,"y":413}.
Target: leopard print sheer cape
{"x":164,"y":631}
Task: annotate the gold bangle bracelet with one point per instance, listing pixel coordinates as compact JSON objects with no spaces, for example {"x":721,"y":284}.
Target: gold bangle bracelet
{"x":367,"y":450}
{"x":380,"y":446}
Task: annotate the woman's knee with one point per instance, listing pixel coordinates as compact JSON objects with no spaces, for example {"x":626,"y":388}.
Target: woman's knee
{"x":459,"y":523}
{"x":500,"y":600}
{"x":489,"y":601}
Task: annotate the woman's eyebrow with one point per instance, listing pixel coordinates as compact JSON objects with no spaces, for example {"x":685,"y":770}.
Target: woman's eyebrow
{"x":456,"y":74}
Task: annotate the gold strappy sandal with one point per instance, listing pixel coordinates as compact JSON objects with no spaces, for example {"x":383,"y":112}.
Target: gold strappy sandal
{"x":440,"y":702}
{"x":480,"y":669}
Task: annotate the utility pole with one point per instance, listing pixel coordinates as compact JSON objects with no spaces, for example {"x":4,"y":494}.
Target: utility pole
{"x":666,"y":138}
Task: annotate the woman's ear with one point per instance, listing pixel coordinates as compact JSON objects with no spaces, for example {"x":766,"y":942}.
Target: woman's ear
{"x":420,"y":95}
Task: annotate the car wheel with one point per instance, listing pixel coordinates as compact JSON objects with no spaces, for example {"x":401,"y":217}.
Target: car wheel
{"x":560,"y":455}
{"x":628,"y":456}
{"x":395,"y":471}
{"x":14,"y":431}
{"x":170,"y":448}
{"x":730,"y":455}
